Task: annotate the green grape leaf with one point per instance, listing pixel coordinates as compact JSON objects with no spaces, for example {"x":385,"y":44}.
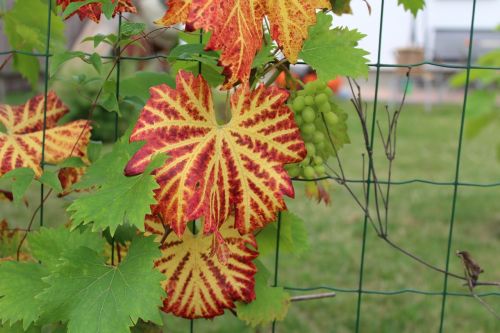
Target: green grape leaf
{"x":120,"y":200}
{"x":72,"y":162}
{"x":94,"y":150}
{"x":49,"y":244}
{"x":293,"y":236}
{"x":265,"y":54}
{"x":412,"y":6}
{"x":59,"y":58}
{"x":334,"y":52}
{"x":211,"y":72}
{"x":110,"y":166}
{"x":129,"y":29}
{"x":21,"y":179}
{"x":271,"y":303}
{"x":26,"y":31}
{"x":18,"y":328}
{"x":188,"y":57}
{"x":340,"y":7}
{"x":95,"y":297}
{"x":51,"y":179}
{"x":139,"y":84}
{"x":20,"y":282}
{"x":96,"y":61}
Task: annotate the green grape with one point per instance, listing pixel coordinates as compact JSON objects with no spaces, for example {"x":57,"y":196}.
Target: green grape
{"x":318,"y":137}
{"x":325,"y":107}
{"x":309,"y":100}
{"x":320,"y":146}
{"x":299,"y":120}
{"x":308,"y":172}
{"x":306,"y":161}
{"x":293,"y":170}
{"x":308,"y":114}
{"x":328,"y":92}
{"x":311,"y":150}
{"x":331,"y":118}
{"x":298,"y":103}
{"x":308,"y":128}
{"x":319,"y":170}
{"x":301,"y":93}
{"x":318,"y":160}
{"x":321,"y":99}
{"x":320,"y":85}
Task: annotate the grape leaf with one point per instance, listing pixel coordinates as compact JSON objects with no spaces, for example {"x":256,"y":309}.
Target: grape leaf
{"x":109,"y":166}
{"x":120,"y":200}
{"x":69,"y":177}
{"x":95,"y":297}
{"x":21,"y":146}
{"x":26,"y":31}
{"x":412,"y":6}
{"x":237,"y":31}
{"x":51,"y":179}
{"x":199,"y":284}
{"x":50,"y":244}
{"x":271,"y":303}
{"x":93,"y":9}
{"x":340,"y":7}
{"x":21,"y":180}
{"x":334,"y":52}
{"x":293,"y":236}
{"x":19,"y":284}
{"x":138,"y":84}
{"x":214,"y":168}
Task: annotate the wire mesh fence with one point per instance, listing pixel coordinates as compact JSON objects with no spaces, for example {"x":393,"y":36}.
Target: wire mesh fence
{"x":455,"y":186}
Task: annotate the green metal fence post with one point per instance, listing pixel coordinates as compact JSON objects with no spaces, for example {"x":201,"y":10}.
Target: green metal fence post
{"x":457,"y":167}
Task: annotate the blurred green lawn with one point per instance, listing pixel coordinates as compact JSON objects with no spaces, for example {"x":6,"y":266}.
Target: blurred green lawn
{"x":419,"y":221}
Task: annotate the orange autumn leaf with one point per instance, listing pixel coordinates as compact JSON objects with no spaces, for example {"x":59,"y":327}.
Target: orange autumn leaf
{"x":237,"y":29}
{"x":21,"y":145}
{"x":198,"y":284}
{"x":93,"y":11}
{"x":215,"y":169}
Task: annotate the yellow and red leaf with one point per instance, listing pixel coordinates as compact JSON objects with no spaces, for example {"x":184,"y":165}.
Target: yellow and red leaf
{"x":216,"y":169}
{"x":237,"y":30}
{"x":21,"y":145}
{"x":93,"y":11}
{"x":68,"y":177}
{"x":198,"y":284}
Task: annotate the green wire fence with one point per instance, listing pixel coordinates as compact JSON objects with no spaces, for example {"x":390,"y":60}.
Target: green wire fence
{"x":360,"y":290}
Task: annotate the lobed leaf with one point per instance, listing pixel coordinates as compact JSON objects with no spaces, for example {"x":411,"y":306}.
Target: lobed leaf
{"x":270,"y":304}
{"x":334,"y":52}
{"x":95,"y":297}
{"x":237,"y":30}
{"x":198,"y":283}
{"x":215,"y":168}
{"x":92,"y":9}
{"x":21,"y":145}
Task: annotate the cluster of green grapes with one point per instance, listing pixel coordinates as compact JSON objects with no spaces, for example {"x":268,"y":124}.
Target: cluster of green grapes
{"x":321,"y":123}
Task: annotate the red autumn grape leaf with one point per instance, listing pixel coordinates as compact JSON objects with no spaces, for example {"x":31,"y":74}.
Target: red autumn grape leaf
{"x":93,"y":11}
{"x":214,"y":169}
{"x":237,"y":31}
{"x":198,"y":284}
{"x":21,"y":145}
{"x":68,"y":177}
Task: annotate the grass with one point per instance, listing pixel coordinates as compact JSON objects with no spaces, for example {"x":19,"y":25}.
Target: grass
{"x":419,"y":221}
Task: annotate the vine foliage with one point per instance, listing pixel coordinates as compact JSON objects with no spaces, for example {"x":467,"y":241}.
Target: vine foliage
{"x":173,"y":217}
